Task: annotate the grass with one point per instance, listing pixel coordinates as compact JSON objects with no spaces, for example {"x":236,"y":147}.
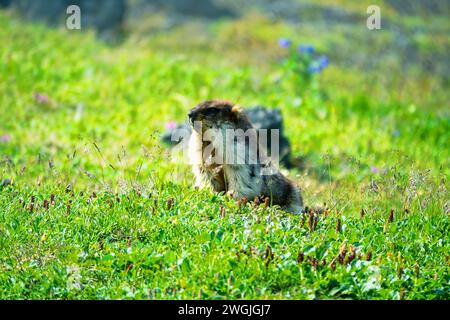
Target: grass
{"x":93,"y":206}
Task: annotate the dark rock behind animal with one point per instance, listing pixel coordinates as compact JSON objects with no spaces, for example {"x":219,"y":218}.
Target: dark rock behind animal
{"x":102,"y":15}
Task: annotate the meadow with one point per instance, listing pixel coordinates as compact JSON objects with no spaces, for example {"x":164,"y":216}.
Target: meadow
{"x":93,"y":206}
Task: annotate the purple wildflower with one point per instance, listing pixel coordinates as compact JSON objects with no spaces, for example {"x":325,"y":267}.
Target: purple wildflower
{"x":41,"y":98}
{"x":171,"y":125}
{"x":5,"y":138}
{"x":318,"y":65}
{"x":314,"y":69}
{"x":284,"y":43}
{"x":323,"y":61}
{"x":374,"y":170}
{"x":306,"y":49}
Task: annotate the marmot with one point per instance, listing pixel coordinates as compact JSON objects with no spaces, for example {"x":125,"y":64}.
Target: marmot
{"x":247,"y":174}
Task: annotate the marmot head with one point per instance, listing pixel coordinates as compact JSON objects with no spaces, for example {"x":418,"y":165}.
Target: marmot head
{"x":219,"y":114}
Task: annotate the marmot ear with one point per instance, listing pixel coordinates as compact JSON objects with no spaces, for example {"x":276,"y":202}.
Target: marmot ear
{"x":236,"y":112}
{"x":236,"y":109}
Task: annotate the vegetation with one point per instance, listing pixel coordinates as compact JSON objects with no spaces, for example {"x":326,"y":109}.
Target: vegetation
{"x":92,"y":206}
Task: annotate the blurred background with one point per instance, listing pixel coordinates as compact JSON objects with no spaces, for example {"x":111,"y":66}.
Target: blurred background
{"x":414,"y":33}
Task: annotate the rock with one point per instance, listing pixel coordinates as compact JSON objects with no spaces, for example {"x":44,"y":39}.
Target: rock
{"x":207,"y":9}
{"x":6,"y":182}
{"x":430,"y":7}
{"x":266,"y":118}
{"x":5,"y":3}
{"x":41,"y":10}
{"x":102,"y":15}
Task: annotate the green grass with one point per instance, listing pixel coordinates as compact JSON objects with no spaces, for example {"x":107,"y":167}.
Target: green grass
{"x":368,"y":142}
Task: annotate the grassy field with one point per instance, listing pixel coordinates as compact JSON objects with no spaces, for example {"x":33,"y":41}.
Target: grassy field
{"x":92,"y":206}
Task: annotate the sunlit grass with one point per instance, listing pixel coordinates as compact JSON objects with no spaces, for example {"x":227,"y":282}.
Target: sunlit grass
{"x":80,"y":121}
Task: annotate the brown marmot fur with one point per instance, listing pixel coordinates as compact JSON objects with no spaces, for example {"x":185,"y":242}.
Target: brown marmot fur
{"x":251,"y":173}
